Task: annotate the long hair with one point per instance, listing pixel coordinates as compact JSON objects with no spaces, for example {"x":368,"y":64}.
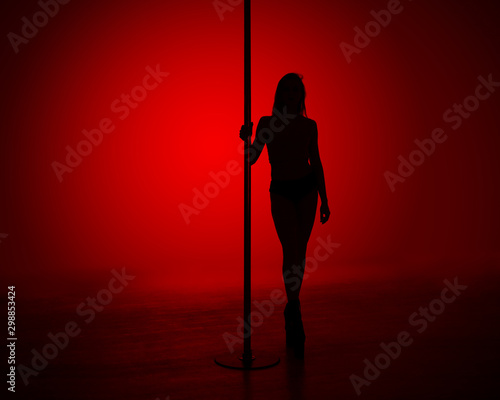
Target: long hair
{"x":278,"y":97}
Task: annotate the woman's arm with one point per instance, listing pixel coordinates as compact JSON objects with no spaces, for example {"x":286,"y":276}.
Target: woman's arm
{"x":317,"y":167}
{"x":316,"y":164}
{"x":258,"y":145}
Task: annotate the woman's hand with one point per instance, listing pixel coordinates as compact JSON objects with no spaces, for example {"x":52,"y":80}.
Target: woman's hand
{"x":324,"y":212}
{"x":246,"y":132}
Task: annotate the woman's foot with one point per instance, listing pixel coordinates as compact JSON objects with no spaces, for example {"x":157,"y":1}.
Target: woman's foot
{"x":295,"y":335}
{"x":289,"y":326}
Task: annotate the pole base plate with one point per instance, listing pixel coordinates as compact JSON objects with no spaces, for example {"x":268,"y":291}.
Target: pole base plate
{"x":259,"y":360}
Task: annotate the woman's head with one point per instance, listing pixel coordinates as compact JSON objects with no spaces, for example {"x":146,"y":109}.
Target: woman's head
{"x":291,"y":93}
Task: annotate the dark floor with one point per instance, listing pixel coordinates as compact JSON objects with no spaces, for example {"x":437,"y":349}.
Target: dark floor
{"x":162,"y":345}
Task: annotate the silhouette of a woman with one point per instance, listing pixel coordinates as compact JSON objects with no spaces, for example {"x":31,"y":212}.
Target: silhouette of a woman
{"x":296,"y":179}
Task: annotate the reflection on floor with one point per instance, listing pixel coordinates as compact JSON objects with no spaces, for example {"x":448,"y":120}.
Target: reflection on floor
{"x":162,"y":345}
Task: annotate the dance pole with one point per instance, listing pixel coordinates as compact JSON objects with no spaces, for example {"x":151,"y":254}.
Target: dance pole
{"x":248,"y":360}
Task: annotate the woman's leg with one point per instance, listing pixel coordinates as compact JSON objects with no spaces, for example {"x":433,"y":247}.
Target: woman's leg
{"x":306,"y":214}
{"x":294,"y":223}
{"x":286,"y":222}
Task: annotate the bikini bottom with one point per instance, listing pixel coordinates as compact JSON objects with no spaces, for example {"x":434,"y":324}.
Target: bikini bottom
{"x":294,"y":189}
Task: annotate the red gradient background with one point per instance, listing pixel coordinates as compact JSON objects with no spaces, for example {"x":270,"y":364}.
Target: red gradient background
{"x":120,"y":207}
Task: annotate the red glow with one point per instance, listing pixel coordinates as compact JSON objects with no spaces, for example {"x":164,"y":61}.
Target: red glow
{"x":120,"y":206}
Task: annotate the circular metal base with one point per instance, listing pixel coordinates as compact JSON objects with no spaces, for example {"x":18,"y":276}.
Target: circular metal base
{"x":260,"y":360}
